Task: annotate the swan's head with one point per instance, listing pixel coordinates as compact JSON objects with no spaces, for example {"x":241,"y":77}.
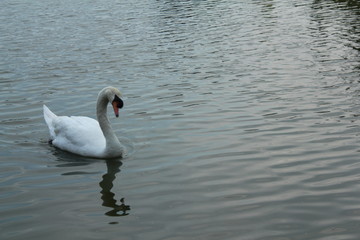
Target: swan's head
{"x":114,"y":97}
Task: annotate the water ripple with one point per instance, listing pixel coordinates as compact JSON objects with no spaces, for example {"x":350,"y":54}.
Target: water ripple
{"x":241,"y":119}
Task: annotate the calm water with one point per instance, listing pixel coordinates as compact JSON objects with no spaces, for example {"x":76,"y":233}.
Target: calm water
{"x":241,"y":119}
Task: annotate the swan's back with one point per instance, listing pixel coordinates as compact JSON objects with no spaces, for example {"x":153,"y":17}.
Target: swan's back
{"x":80,"y":135}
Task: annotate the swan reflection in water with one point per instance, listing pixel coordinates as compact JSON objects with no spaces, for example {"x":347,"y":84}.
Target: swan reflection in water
{"x":106,"y":184}
{"x":107,"y":195}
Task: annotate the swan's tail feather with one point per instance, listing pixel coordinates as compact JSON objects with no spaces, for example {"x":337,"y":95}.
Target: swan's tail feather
{"x":49,"y":117}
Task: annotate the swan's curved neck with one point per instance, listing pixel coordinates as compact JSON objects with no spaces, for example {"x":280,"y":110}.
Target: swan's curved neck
{"x":112,"y":142}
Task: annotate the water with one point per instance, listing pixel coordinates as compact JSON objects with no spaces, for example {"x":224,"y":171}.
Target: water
{"x":241,"y":119}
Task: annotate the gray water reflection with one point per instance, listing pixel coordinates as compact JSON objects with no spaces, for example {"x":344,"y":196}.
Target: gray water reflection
{"x":108,"y":197}
{"x":69,"y":160}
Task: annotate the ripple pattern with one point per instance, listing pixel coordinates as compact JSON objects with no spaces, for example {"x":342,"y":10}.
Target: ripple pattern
{"x":242,"y":119}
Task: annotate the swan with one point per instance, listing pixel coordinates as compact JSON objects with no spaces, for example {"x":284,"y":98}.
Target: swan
{"x":85,"y":136}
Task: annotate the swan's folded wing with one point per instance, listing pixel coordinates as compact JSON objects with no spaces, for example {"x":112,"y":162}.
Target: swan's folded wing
{"x":80,"y":135}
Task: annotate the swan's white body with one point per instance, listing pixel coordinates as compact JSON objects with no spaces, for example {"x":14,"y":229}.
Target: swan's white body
{"x":86,"y":136}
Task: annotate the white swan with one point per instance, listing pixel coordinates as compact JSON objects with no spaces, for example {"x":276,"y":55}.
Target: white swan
{"x":86,"y":136}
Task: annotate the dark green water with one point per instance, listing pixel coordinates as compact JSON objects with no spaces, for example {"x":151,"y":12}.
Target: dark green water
{"x":241,"y":119}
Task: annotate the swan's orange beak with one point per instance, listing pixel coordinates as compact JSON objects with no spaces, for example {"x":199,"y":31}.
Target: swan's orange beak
{"x":116,"y":109}
{"x":117,"y":103}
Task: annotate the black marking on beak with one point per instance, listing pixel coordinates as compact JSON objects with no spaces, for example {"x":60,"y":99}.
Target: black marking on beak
{"x":120,"y":103}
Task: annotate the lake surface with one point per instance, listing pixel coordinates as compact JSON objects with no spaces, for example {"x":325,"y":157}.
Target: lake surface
{"x":241,"y":119}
